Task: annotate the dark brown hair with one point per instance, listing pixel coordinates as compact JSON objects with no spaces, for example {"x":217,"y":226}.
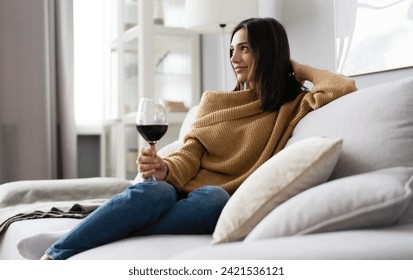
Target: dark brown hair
{"x":272,"y":74}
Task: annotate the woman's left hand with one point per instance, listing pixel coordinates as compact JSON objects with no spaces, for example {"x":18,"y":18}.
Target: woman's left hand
{"x":303,"y":72}
{"x":296,"y":69}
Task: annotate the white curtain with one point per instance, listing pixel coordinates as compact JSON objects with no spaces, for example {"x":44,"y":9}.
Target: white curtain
{"x":37,"y":127}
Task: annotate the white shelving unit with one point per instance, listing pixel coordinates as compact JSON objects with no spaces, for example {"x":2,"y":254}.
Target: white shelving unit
{"x":145,"y":59}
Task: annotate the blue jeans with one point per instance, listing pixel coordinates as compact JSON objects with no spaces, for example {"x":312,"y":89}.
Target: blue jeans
{"x":144,"y":209}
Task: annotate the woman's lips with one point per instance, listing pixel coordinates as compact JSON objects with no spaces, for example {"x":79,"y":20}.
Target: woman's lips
{"x":239,"y":69}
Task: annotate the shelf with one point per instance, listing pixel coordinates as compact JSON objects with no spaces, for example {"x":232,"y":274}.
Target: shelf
{"x":130,"y":34}
{"x":89,"y":129}
{"x":172,"y":31}
{"x":158,"y":30}
{"x":145,"y":60}
{"x":110,"y":122}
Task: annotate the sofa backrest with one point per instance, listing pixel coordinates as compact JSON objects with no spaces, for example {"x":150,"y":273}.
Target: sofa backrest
{"x":375,"y":123}
{"x":189,"y":119}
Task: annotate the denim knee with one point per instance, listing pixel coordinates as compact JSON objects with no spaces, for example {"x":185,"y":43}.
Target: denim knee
{"x":197,"y":213}
{"x":210,"y":197}
{"x":210,"y":200}
{"x":216,"y":195}
{"x":156,"y":193}
{"x":154,"y":189}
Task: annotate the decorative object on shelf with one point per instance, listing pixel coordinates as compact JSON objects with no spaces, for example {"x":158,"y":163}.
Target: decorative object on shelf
{"x":158,"y":13}
{"x":175,"y":106}
{"x":161,"y":59}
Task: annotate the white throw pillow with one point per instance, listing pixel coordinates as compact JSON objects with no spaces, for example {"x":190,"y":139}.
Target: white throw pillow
{"x":304,"y":164}
{"x":375,"y":124}
{"x":373,"y":199}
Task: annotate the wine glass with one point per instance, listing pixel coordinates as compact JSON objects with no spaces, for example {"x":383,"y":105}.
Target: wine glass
{"x":151,"y":122}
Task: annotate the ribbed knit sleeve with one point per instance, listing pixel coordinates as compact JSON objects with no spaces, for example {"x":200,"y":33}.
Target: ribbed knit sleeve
{"x":184,"y":164}
{"x":328,"y":87}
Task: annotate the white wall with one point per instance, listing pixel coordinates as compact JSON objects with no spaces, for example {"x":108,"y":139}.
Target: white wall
{"x":311,"y":32}
{"x":310,"y":28}
{"x":212,"y":64}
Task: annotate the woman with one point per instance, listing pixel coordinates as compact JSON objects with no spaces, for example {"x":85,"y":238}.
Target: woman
{"x":234,"y":133}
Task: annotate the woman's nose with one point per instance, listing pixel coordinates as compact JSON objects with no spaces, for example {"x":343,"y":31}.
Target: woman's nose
{"x":235,"y":57}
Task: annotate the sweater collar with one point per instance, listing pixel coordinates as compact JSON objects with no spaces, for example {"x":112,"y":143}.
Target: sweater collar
{"x":217,"y":106}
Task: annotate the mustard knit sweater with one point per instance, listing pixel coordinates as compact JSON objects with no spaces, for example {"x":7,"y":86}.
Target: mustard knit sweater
{"x":232,"y":136}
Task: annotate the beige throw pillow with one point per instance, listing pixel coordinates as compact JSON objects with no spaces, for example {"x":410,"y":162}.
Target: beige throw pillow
{"x":368,"y":200}
{"x":300,"y":166}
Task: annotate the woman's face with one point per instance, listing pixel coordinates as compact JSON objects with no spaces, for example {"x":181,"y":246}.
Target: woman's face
{"x":242,"y":59}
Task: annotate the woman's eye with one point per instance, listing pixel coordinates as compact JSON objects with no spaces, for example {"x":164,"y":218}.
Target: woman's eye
{"x":244,"y":48}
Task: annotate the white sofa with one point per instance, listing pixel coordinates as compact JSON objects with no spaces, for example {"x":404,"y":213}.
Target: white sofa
{"x":363,"y":211}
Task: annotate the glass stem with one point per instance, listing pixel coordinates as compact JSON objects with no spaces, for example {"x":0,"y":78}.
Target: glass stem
{"x":152,"y":178}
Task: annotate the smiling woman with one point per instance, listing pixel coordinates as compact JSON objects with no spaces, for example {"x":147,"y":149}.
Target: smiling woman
{"x":263,"y":62}
{"x":88,"y":17}
{"x":242,"y":59}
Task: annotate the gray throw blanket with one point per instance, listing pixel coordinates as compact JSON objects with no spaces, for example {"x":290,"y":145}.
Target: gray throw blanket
{"x":75,"y":198}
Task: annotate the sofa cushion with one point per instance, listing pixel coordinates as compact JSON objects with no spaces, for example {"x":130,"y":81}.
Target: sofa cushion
{"x":390,"y":243}
{"x":373,"y":199}
{"x":375,"y":123}
{"x":189,"y":119}
{"x":294,"y":169}
{"x":33,"y":237}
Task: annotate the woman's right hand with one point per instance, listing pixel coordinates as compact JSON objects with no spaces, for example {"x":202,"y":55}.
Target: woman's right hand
{"x":149,"y":163}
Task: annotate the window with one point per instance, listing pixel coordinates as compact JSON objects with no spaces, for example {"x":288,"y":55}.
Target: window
{"x":89,"y":44}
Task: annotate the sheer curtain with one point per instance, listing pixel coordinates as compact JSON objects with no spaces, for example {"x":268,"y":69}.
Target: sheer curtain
{"x":37,"y":127}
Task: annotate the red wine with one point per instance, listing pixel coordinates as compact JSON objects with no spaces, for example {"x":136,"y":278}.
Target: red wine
{"x":152,"y":133}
